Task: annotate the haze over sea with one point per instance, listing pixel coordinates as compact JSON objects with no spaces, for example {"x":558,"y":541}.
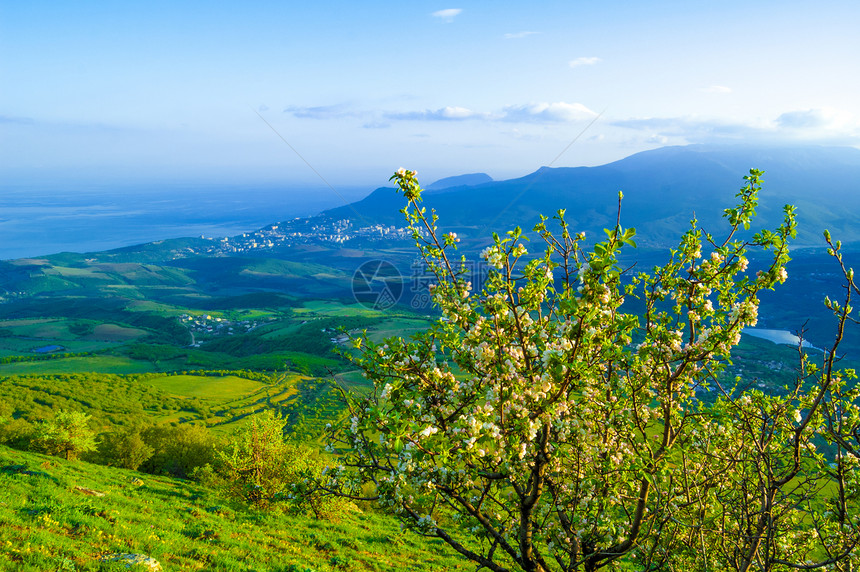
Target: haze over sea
{"x":37,"y":220}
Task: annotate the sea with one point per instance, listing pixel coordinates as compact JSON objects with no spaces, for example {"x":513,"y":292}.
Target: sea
{"x":37,"y":220}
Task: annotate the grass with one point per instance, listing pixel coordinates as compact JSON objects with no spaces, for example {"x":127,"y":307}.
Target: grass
{"x":99,"y":363}
{"x":115,"y":333}
{"x":404,"y":327}
{"x":216,"y":389}
{"x":18,"y":346}
{"x":354,"y":380}
{"x":254,"y":314}
{"x":49,"y":524}
{"x":27,"y":322}
{"x":223,"y":401}
{"x":48,"y":329}
{"x":333,"y":308}
{"x":27,"y":335}
{"x":78,"y":273}
{"x":155,"y":307}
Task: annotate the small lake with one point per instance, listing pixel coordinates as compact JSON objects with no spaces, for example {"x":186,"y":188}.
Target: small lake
{"x":778,"y":337}
{"x":48,"y":349}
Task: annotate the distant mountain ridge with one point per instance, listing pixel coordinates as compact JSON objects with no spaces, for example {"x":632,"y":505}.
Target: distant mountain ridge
{"x":663,"y":189}
{"x":469,"y":180}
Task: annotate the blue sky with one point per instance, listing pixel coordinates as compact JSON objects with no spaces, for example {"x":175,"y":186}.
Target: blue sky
{"x":130,"y":91}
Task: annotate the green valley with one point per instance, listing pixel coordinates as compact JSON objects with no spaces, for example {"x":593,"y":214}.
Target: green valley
{"x":171,"y":352}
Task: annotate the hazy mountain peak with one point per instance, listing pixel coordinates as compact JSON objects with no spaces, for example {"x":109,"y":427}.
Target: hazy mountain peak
{"x":663,"y":189}
{"x":468,"y":180}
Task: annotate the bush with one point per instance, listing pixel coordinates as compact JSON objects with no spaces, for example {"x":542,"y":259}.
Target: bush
{"x":124,"y":448}
{"x":261,"y":466}
{"x":178,"y":450}
{"x":258,"y":464}
{"x":17,"y":433}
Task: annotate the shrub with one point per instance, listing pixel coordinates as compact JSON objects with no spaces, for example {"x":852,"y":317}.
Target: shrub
{"x":178,"y":450}
{"x":124,"y":448}
{"x":261,"y":466}
{"x":258,"y":464}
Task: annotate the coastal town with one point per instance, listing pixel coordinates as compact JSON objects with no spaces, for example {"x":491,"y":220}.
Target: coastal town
{"x":314,"y":230}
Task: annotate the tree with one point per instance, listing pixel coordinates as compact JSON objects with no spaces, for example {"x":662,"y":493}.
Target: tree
{"x":68,"y":434}
{"x":126,"y":448}
{"x":543,"y":424}
{"x":258,"y":463}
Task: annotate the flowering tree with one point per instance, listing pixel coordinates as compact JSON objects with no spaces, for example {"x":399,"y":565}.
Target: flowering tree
{"x":540,"y":424}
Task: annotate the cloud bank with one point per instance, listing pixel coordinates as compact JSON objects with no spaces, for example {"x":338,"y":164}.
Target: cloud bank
{"x":540,"y":112}
{"x":825,"y":126}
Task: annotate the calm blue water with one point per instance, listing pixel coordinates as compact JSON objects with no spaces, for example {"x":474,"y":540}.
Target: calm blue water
{"x":40,"y":220}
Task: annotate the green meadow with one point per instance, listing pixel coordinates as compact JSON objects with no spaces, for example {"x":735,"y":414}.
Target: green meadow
{"x":53,"y":520}
{"x":220,"y":389}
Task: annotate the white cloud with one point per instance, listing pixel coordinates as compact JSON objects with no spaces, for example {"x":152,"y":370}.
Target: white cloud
{"x":716,"y":89}
{"x":808,"y":119}
{"x":519,"y":35}
{"x":456,"y":112}
{"x":320,"y":111}
{"x":558,"y":112}
{"x":583,"y":61}
{"x":694,"y":129}
{"x":823,"y":123}
{"x":533,"y":113}
{"x":547,"y":112}
{"x":825,"y":118}
{"x":824,"y":126}
{"x":449,"y":113}
{"x":448,"y":14}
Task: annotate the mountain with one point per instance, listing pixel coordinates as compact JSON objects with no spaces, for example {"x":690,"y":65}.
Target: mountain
{"x":469,"y":180}
{"x":663,"y":189}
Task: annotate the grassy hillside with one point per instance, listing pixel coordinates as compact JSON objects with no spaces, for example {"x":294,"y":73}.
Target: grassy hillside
{"x":52,"y":521}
